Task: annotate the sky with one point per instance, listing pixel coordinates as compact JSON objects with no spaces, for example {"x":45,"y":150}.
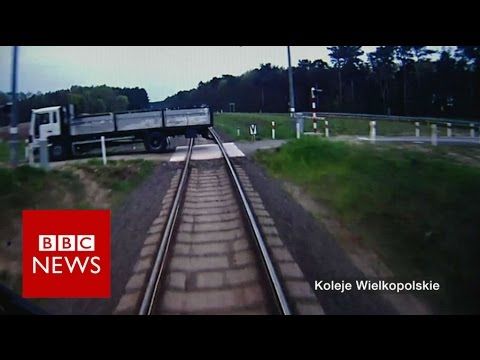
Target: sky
{"x":161,"y":70}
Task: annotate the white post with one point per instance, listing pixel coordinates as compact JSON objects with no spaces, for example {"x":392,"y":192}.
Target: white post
{"x":44,"y":154}
{"x":273,"y":130}
{"x":104,"y":151}
{"x":449,"y":129}
{"x":297,"y":124}
{"x":327,"y":133}
{"x":31,"y":158}
{"x":434,"y":134}
{"x":472,"y":130}
{"x":27,"y":150}
{"x":314,"y":114}
{"x":238,"y":132}
{"x":417,"y":129}
{"x":373,"y":132}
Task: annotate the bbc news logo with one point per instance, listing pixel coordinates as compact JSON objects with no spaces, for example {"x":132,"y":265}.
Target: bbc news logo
{"x":59,"y":264}
{"x":66,"y":253}
{"x":66,"y":242}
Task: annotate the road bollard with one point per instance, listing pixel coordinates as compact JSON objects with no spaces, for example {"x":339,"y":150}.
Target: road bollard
{"x":434,"y":134}
{"x":297,"y":125}
{"x":27,"y":151}
{"x":449,"y":129}
{"x":417,"y":129}
{"x":472,"y":130}
{"x":314,"y":114}
{"x":31,"y":157}
{"x":44,"y":154}
{"x":104,"y":151}
{"x":238,"y":132}
{"x":327,"y":132}
{"x":273,"y":130}
{"x":373,"y":131}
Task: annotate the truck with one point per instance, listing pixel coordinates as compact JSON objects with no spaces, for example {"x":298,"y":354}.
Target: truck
{"x":68,"y":135}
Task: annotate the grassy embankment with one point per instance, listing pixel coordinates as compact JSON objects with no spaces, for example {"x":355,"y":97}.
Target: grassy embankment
{"x":230,"y":122}
{"x":119,"y":176}
{"x":419,"y":211}
{"x":26,"y":187}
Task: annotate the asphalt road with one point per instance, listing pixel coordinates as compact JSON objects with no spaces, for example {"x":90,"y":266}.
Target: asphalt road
{"x":464,"y":140}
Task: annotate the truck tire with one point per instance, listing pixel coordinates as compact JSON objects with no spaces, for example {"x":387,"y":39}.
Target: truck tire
{"x":57,"y":151}
{"x":156,"y":142}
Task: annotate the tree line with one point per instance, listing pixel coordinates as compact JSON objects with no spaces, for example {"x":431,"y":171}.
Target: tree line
{"x":396,"y":80}
{"x":87,"y":99}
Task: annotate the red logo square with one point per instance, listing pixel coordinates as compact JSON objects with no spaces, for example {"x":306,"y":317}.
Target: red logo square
{"x":66,"y":253}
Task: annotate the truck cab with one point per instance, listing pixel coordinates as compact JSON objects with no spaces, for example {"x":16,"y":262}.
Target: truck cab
{"x":45,"y":124}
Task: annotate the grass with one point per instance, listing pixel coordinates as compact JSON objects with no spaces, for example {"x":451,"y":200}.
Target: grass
{"x":27,"y":187}
{"x":285,"y":127}
{"x":119,"y":176}
{"x":418,"y":211}
{"x":230,"y":122}
{"x":5,"y":151}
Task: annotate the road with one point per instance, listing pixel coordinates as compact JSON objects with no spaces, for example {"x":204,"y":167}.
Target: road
{"x":464,"y":140}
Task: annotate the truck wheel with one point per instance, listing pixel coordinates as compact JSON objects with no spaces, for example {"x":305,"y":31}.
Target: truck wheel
{"x":156,"y":142}
{"x":57,"y":152}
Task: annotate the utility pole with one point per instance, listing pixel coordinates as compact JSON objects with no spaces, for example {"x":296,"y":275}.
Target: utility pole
{"x":290,"y":83}
{"x":13,"y":119}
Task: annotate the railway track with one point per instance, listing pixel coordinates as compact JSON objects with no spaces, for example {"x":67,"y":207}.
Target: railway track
{"x":212,"y":257}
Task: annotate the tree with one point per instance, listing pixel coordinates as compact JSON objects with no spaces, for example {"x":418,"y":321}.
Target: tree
{"x":404,"y":54}
{"x":99,"y":106}
{"x":304,"y":64}
{"x":121,"y":103}
{"x":383,"y":67}
{"x":402,"y":79}
{"x":345,"y":57}
{"x":4,"y":98}
{"x":472,"y":54}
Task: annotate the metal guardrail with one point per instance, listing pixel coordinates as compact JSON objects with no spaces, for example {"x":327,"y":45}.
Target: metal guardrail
{"x":439,"y":121}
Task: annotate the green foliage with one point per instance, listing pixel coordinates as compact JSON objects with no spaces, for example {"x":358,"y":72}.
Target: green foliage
{"x":397,"y":80}
{"x":93,"y":99}
{"x":121,"y":103}
{"x":32,"y":188}
{"x":5,"y":151}
{"x":418,"y":211}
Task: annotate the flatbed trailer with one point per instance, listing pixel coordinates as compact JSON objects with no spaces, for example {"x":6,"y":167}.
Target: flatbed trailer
{"x":68,"y":135}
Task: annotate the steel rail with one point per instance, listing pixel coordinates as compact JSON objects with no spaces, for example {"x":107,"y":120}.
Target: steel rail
{"x":155,"y":276}
{"x":272,"y":275}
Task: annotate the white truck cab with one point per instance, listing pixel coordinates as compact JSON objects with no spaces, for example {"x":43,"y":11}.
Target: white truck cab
{"x":44,"y":123}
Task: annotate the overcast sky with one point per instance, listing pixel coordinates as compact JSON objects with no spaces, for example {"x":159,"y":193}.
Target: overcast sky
{"x":161,"y":70}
